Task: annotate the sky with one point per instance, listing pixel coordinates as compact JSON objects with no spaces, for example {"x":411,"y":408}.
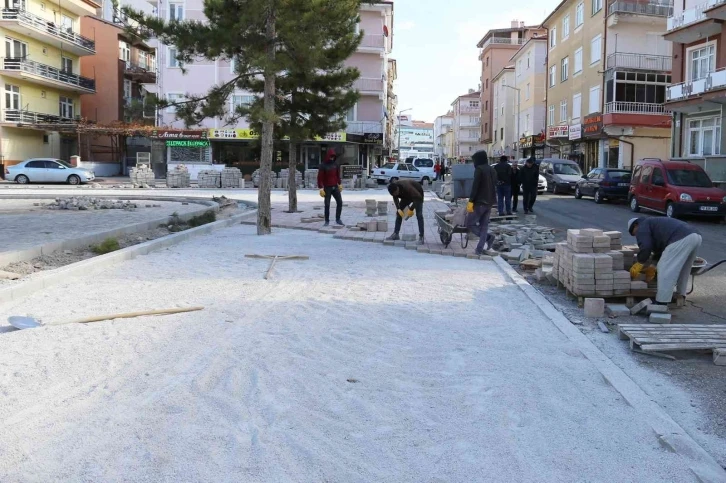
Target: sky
{"x":434,"y":43}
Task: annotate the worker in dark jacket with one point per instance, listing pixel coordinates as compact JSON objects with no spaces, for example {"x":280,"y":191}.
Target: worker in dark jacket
{"x":504,"y":186}
{"x":329,"y":184}
{"x":515,"y":182}
{"x":529,"y":177}
{"x":408,"y":196}
{"x":482,"y":199}
{"x":673,"y":245}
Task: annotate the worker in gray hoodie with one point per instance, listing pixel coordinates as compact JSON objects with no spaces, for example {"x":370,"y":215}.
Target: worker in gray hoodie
{"x":482,"y":199}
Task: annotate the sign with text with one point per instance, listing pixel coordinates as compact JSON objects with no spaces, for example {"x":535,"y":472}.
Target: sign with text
{"x":249,"y":134}
{"x":558,"y":131}
{"x":347,"y":171}
{"x":178,"y":134}
{"x":575,"y":132}
{"x":373,"y":138}
{"x":592,"y":126}
{"x":186,"y":143}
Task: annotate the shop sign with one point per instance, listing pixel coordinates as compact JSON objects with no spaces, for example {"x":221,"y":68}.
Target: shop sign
{"x":186,"y":143}
{"x":177,"y":134}
{"x":233,"y":134}
{"x":592,"y":125}
{"x":333,"y":136}
{"x":528,"y":142}
{"x":347,"y":171}
{"x":557,"y":132}
{"x":575,"y":132}
{"x":373,"y":138}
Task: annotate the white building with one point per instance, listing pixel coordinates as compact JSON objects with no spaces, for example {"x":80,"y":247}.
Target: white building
{"x":467,"y":125}
{"x":530,"y":72}
{"x":442,"y":125}
{"x":504,"y":101}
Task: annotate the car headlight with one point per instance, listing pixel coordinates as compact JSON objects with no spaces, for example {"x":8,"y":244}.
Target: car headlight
{"x":686,"y":198}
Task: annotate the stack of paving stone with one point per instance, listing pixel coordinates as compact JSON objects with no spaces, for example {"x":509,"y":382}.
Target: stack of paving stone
{"x":209,"y":178}
{"x":232,"y":178}
{"x":311,"y":178}
{"x":178,"y":177}
{"x":285,"y":178}
{"x":371,"y":208}
{"x":616,"y":239}
{"x":142,"y":176}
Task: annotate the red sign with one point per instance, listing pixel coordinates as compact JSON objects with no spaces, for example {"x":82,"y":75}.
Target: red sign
{"x":178,"y":134}
{"x":558,"y":131}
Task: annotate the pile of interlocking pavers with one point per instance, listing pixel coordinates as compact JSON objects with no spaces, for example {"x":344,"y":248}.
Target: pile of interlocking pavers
{"x":232,"y":178}
{"x":142,"y":176}
{"x":209,"y":178}
{"x":178,"y":177}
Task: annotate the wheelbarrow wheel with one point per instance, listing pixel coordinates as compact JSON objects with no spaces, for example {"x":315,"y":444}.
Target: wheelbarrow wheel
{"x":464,"y":240}
{"x":445,"y":238}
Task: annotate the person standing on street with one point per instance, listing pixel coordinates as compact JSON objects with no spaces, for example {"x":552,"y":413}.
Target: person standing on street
{"x":516,"y":181}
{"x":330,"y":186}
{"x":482,"y":199}
{"x":529,"y":177}
{"x":674,"y":246}
{"x":504,"y":186}
{"x":408,"y":197}
{"x":437,"y":171}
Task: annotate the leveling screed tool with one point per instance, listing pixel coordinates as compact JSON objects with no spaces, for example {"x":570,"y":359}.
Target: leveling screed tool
{"x":275,"y":258}
{"x":20,"y":322}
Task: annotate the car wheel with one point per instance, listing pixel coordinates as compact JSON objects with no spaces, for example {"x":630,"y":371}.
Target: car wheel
{"x":670,"y":210}
{"x":22,"y":179}
{"x":598,"y":197}
{"x":578,"y":194}
{"x":74,"y":179}
{"x":634,"y":206}
{"x":554,"y":189}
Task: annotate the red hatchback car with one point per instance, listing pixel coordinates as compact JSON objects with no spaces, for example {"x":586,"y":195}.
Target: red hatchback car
{"x":675,"y":188}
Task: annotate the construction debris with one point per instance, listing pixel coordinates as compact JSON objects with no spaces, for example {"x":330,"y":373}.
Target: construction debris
{"x":83,"y":203}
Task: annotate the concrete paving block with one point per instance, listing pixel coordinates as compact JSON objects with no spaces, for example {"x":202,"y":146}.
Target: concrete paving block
{"x":719,"y":357}
{"x":638,"y":285}
{"x":656,"y":309}
{"x":486,"y":257}
{"x":411,"y":246}
{"x":399,"y":243}
{"x":639,"y":307}
{"x":435,"y":251}
{"x":423,"y":250}
{"x":594,"y":307}
{"x":515,"y":254}
{"x":618,"y":310}
{"x":389,"y":243}
{"x":460,"y":254}
{"x":660,"y":318}
{"x":472,"y":256}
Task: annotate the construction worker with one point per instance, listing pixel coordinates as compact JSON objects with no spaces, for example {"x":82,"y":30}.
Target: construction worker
{"x":673,"y":245}
{"x":482,"y":199}
{"x":408,"y":196}
{"x":330,"y":185}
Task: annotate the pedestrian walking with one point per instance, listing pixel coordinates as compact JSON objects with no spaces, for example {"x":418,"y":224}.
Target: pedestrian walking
{"x":330,"y":185}
{"x":482,"y":199}
{"x":437,"y":170}
{"x":673,"y":245}
{"x":529,"y":178}
{"x":408,"y":196}
{"x":516,"y":182}
{"x":504,"y":186}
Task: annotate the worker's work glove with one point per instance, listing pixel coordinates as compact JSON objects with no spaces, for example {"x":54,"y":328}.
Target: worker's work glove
{"x":636,"y":269}
{"x":470,"y":207}
{"x":650,"y":273}
{"x":410,"y":213}
{"x":322,"y":193}
{"x":340,"y":188}
{"x":401,"y":214}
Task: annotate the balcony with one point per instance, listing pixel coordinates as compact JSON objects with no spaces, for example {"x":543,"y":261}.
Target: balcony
{"x":695,"y":23}
{"x":469,"y":110}
{"x":621,"y":107}
{"x":375,"y":43}
{"x":369,"y":86}
{"x":38,"y":73}
{"x":715,"y":81}
{"x":653,"y":63}
{"x":363,"y":127}
{"x":31,"y":25}
{"x":141,"y":73}
{"x":634,"y":8}
{"x":16,"y":116}
{"x":502,"y":42}
{"x":470,"y":124}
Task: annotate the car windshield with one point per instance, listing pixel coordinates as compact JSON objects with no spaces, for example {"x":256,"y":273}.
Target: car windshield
{"x":424,"y":163}
{"x":620,"y":176}
{"x":59,"y":161}
{"x":567,"y":169}
{"x":388,"y":166}
{"x":689,"y":177}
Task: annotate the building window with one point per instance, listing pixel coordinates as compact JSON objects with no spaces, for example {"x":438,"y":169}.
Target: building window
{"x":65,"y":105}
{"x":127,"y":88}
{"x":173,"y":60}
{"x":526,"y":124}
{"x":124,"y":51}
{"x":352,"y":114}
{"x":519,"y":68}
{"x":151,"y":62}
{"x":66,"y":65}
{"x":529,"y":60}
{"x":565,"y":72}
{"x":173,"y":97}
{"x":501,"y":133}
{"x":579,"y":15}
{"x":563,"y":111}
{"x":66,"y":24}
{"x":176,"y":12}
{"x":12,"y":97}
{"x":576,"y":106}
{"x":474,"y":104}
{"x":487,"y":83}
{"x":486,"y":127}
{"x":526,"y":93}
{"x":642,"y":88}
{"x":596,"y":6}
{"x":553,"y":75}
{"x":578,"y":61}
{"x":551,"y":121}
{"x":566,"y":27}
{"x":15,"y":49}
{"x":237,"y":100}
{"x":704,"y":136}
{"x":702,"y":61}
{"x":594,"y":99}
{"x":596,"y":50}
{"x":486,"y":106}
{"x":553,"y":38}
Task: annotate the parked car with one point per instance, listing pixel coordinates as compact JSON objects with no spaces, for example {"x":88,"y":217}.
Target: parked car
{"x":561,"y":175}
{"x":48,"y":170}
{"x":604,"y":184}
{"x":542,"y":183}
{"x":425,"y":165}
{"x":395,"y":171}
{"x":675,"y":188}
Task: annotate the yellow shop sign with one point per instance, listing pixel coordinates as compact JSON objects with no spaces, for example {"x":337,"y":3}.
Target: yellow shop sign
{"x":253,"y":134}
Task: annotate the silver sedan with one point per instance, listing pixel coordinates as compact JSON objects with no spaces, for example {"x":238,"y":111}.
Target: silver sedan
{"x":48,"y":170}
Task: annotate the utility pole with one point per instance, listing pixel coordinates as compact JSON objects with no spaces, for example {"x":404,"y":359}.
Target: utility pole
{"x":399,"y":130}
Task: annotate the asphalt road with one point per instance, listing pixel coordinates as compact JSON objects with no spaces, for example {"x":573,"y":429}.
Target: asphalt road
{"x":564,"y":212}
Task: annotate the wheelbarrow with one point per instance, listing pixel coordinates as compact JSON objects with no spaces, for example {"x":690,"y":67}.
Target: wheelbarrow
{"x":447,"y":231}
{"x":701,"y":267}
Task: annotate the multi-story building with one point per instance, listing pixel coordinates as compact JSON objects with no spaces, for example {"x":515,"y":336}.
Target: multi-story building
{"x":40,"y":78}
{"x":442,"y":126}
{"x":234,"y":145}
{"x":504,"y":106}
{"x":698,"y":92}
{"x":495,"y":53}
{"x":530,"y":74}
{"x":417,"y":140}
{"x":610,"y":119}
{"x":391,"y":107}
{"x":467,"y":125}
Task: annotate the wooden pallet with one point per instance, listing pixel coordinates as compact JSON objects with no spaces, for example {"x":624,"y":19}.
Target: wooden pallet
{"x":676,"y":337}
{"x":630,"y":299}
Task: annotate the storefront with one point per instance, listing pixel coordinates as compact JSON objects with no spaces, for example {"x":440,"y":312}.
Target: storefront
{"x":173,"y":147}
{"x":533,"y":145}
{"x":558,"y":140}
{"x":370,"y":149}
{"x":594,"y":139}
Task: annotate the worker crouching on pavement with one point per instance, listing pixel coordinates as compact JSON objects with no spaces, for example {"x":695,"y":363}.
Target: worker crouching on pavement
{"x":329,"y":184}
{"x":482,"y":199}
{"x":408,"y":196}
{"x":673,"y":245}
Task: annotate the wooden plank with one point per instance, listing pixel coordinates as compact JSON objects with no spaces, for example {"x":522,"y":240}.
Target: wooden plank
{"x":690,"y":326}
{"x":678,"y":347}
{"x":666,"y":340}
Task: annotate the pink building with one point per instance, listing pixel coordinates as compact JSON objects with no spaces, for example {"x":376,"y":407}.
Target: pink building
{"x":363,"y":141}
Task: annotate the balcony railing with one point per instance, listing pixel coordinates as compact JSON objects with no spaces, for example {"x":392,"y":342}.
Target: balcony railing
{"x":620,"y":107}
{"x":713,"y":81}
{"x":134,"y":68}
{"x":48,"y":72}
{"x":469,"y":110}
{"x":362,"y":127}
{"x":633,"y":7}
{"x":691,"y":15}
{"x":39,"y":23}
{"x":373,"y":41}
{"x":658,"y":63}
{"x":369,"y":85}
{"x":502,"y":41}
{"x":28,"y":117}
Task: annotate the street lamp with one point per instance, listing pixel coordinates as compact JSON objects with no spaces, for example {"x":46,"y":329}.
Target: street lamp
{"x":399,"y":130}
{"x":519,"y":113}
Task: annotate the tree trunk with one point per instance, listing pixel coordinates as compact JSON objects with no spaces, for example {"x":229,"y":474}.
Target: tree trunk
{"x":264,"y":210}
{"x":292,"y":179}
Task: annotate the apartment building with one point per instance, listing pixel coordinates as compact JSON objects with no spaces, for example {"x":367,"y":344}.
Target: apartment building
{"x":698,"y":92}
{"x":467,"y":125}
{"x":235,"y":145}
{"x":417,"y":139}
{"x":40,"y":78}
{"x":504,"y":105}
{"x":530,"y":77}
{"x":391,"y":108}
{"x":496,"y":49}
{"x":442,"y":126}
{"x":611,"y":119}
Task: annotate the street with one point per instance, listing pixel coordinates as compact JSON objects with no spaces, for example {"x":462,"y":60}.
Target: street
{"x":564,"y":212}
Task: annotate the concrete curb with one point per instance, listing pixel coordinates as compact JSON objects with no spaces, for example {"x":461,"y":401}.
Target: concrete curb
{"x":43,"y":280}
{"x":669,"y":433}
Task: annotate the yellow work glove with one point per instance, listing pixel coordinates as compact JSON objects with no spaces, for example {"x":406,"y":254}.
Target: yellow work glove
{"x":401,"y":214}
{"x":470,"y":207}
{"x":635,"y":270}
{"x":322,"y":193}
{"x":410,"y":213}
{"x":340,"y":188}
{"x":650,"y":273}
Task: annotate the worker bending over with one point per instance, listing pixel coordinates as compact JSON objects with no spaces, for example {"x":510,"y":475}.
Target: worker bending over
{"x":673,"y":245}
{"x":408,"y":196}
